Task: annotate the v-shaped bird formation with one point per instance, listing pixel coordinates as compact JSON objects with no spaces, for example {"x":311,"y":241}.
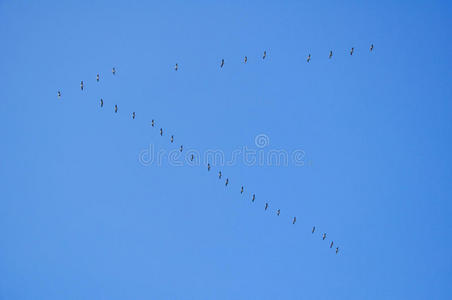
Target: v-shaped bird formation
{"x":220,"y":174}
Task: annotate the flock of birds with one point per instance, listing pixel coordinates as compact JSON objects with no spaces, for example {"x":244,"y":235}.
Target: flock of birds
{"x":220,"y":175}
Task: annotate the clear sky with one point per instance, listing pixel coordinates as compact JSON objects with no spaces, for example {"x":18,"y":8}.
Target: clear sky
{"x":86,"y":214}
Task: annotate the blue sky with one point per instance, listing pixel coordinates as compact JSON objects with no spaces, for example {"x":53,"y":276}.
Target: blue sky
{"x":83,"y":217}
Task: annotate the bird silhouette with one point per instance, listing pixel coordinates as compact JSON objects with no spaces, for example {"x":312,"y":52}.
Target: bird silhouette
{"x":294,"y":220}
{"x":152,"y":123}
{"x":133,"y":115}
{"x":81,"y":85}
{"x":265,"y":55}
{"x":324,"y":236}
{"x":278,"y":212}
{"x":59,"y":94}
{"x":371,"y":47}
{"x":309,"y":58}
{"x":172,"y":138}
{"x":246,"y":59}
{"x":266,"y":205}
{"x":101,"y":102}
{"x":241,"y":190}
{"x":331,"y":54}
{"x":161,"y":131}
{"x":219,"y":175}
{"x":331,"y":245}
{"x":227,"y":181}
{"x":181,"y":148}
{"x":208,"y":167}
{"x":113,"y":71}
{"x":176,"y":67}
{"x":222,"y":63}
{"x":97,"y":77}
{"x":337,"y":250}
{"x":351,"y":51}
{"x":254,"y":198}
{"x":192,"y":157}
{"x":116,"y":108}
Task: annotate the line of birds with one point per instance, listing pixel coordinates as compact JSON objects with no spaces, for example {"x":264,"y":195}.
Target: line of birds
{"x":242,"y":188}
{"x":245,"y":60}
{"x":220,"y":174}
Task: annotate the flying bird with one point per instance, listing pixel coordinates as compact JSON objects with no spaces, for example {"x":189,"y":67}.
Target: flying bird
{"x":133,"y":115}
{"x":331,"y":54}
{"x":222,"y":63}
{"x":266,"y":205}
{"x":161,"y":131}
{"x":278,"y":212}
{"x":337,"y":250}
{"x":172,"y":139}
{"x":265,"y":54}
{"x":313,"y":229}
{"x":191,"y":157}
{"x":116,"y":108}
{"x":81,"y":85}
{"x":371,"y":47}
{"x":331,"y":245}
{"x":241,"y":190}
{"x":254,"y":198}
{"x":324,"y":236}
{"x":294,"y":220}
{"x":113,"y":71}
{"x":59,"y":94}
{"x":246,"y":59}
{"x":351,"y":51}
{"x":101,"y":102}
{"x":309,"y":57}
{"x":208,"y":167}
{"x":97,"y":77}
{"x":227,"y":181}
{"x":176,"y":67}
{"x":181,"y":148}
{"x":152,"y":123}
{"x":219,"y":175}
